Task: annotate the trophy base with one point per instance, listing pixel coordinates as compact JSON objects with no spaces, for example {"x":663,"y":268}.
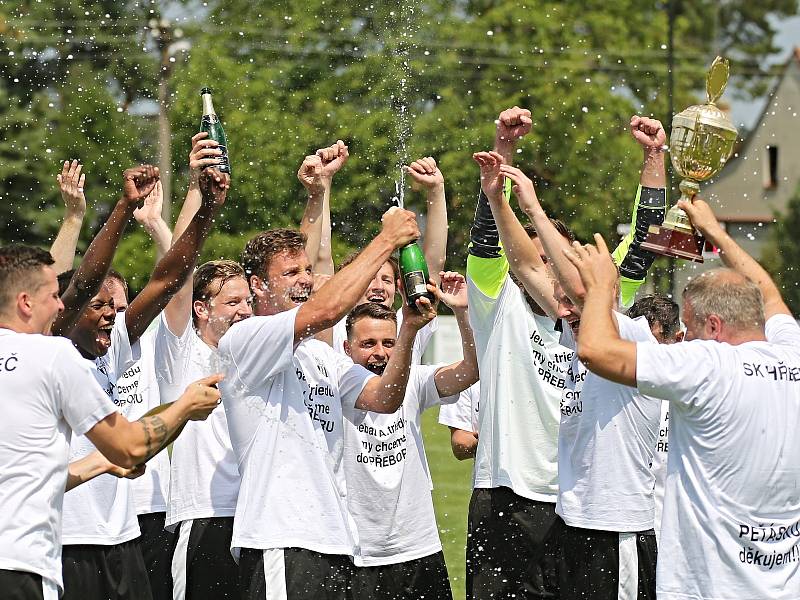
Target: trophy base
{"x":675,"y":243}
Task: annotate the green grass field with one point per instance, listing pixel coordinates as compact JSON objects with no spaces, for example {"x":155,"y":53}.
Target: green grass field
{"x":452,"y":487}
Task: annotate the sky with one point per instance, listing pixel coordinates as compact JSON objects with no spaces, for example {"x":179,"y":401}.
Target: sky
{"x":745,"y":113}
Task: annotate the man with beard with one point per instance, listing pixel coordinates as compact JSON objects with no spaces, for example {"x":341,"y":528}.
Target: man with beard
{"x":53,"y":393}
{"x":100,"y":557}
{"x":730,"y":525}
{"x":607,"y":432}
{"x":316,"y":174}
{"x":284,"y":399}
{"x":388,"y":482}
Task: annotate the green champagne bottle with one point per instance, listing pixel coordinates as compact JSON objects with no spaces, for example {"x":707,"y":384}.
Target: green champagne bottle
{"x":213,"y":126}
{"x":414,"y":274}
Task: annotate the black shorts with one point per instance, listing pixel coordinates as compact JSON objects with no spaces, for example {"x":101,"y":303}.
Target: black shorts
{"x":100,"y":572}
{"x":294,"y":574}
{"x":21,"y":585}
{"x":607,"y":565}
{"x":157,"y":545}
{"x":421,"y":579}
{"x":202,"y":565}
{"x":512,"y":546}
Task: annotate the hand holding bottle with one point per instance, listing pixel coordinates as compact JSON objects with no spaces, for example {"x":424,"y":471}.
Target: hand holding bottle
{"x":399,"y":226}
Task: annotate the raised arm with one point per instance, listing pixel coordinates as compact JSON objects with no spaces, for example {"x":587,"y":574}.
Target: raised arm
{"x":425,"y":174}
{"x":487,"y":266}
{"x":149,"y":216}
{"x":204,"y":153}
{"x":734,"y":257}
{"x":385,"y":394}
{"x":649,"y":207}
{"x":457,"y":377}
{"x":522,"y":254}
{"x":552,"y":241}
{"x":70,"y":182}
{"x":130,"y":443}
{"x":335,"y":299}
{"x":172,"y":271}
{"x":85,"y":283}
{"x":316,"y":174}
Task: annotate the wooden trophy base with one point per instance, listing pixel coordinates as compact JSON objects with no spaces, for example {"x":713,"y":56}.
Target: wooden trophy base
{"x":675,"y":243}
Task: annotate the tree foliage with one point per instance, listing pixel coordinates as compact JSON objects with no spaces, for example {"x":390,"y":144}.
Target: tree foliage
{"x":782,"y":257}
{"x":291,"y":77}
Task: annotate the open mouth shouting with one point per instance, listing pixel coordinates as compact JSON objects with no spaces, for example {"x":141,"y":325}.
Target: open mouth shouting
{"x":103,"y":337}
{"x":378,"y":296}
{"x":377,"y":367}
{"x":299,"y":295}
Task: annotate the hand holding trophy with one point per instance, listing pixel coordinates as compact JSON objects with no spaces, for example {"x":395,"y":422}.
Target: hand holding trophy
{"x":701,"y":141}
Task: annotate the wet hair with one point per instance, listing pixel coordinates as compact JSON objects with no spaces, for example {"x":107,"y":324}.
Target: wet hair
{"x":658,"y":309}
{"x":20,"y":266}
{"x":391,"y":260}
{"x":557,"y":223}
{"x":725,"y":293}
{"x":63,"y":281}
{"x":117,"y":276}
{"x":369,"y":310}
{"x":261,"y":249}
{"x":211,"y":277}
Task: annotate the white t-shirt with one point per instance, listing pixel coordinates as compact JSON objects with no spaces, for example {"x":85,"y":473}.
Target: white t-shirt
{"x":731,"y":523}
{"x":137,"y":388}
{"x":388,"y":481}
{"x":49,"y":393}
{"x":522,"y":368}
{"x":463,"y":413}
{"x":421,"y":340}
{"x":660,"y":467}
{"x":284,"y":408}
{"x":101,"y":511}
{"x":204,"y":478}
{"x":605,"y":446}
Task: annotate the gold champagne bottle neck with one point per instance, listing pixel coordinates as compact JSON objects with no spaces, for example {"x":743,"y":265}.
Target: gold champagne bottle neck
{"x":208,"y":106}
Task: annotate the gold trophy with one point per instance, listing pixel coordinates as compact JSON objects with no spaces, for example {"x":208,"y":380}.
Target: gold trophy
{"x":701,"y":141}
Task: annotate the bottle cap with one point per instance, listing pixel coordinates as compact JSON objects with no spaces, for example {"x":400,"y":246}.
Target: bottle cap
{"x":205,"y":90}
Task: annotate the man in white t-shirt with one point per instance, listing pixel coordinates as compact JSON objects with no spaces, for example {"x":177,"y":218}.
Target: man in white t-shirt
{"x":604,"y":491}
{"x":316,"y":174}
{"x":512,"y":542}
{"x":204,"y":481}
{"x":55,"y":393}
{"x":731,"y":517}
{"x":284,"y":397}
{"x":663,"y":316}
{"x":100,"y":557}
{"x":388,"y":483}
{"x":137,"y":390}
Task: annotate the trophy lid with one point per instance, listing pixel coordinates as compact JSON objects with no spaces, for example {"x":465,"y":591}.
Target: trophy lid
{"x":709,"y":113}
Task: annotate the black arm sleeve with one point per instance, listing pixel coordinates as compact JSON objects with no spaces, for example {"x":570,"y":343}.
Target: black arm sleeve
{"x":651,"y":210}
{"x":484,"y":237}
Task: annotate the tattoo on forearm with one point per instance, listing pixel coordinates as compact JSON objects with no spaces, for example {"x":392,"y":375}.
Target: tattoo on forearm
{"x":155,"y":433}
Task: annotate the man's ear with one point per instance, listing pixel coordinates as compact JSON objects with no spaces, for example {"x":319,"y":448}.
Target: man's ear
{"x":714,"y":326}
{"x":200,"y":309}
{"x":679,"y":336}
{"x":25,"y":304}
{"x":258,"y":286}
{"x":347,"y":347}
